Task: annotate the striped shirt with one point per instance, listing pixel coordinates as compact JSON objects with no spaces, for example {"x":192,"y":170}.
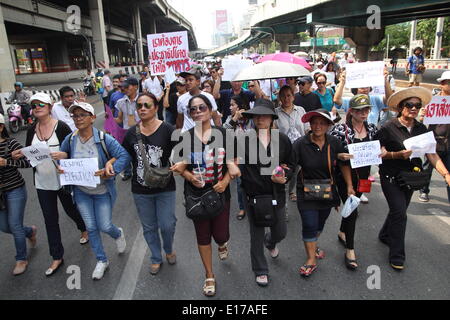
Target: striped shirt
{"x":10,"y":177}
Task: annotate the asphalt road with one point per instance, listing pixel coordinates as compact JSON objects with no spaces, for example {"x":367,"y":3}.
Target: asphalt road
{"x":426,"y":275}
{"x":429,"y":76}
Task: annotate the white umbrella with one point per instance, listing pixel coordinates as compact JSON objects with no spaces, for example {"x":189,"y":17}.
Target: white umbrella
{"x":271,"y":70}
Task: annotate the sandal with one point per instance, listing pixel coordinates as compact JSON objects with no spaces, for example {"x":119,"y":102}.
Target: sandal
{"x":320,"y":254}
{"x":351,"y":264}
{"x":263,"y":280}
{"x":293,"y":197}
{"x":240,"y":216}
{"x":304,"y":270}
{"x":223,"y":251}
{"x":210,"y":290}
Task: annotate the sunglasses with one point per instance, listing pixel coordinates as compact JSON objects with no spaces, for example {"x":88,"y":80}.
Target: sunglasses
{"x":202,"y":108}
{"x":324,"y":83}
{"x":146,"y":105}
{"x":410,"y":105}
{"x":80,"y":116}
{"x":36,"y":105}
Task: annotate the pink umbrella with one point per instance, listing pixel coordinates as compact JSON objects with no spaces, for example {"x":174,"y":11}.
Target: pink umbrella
{"x":286,"y":57}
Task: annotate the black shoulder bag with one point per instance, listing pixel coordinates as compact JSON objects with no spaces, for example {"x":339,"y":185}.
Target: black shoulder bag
{"x":319,"y":189}
{"x":411,"y":180}
{"x":154,"y":177}
{"x":264,"y":209}
{"x":207,"y":206}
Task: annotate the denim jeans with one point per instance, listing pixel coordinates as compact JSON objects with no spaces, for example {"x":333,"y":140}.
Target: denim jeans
{"x":157,"y":214}
{"x":313,"y":222}
{"x":11,"y":220}
{"x":96,"y":212}
{"x":170,"y":118}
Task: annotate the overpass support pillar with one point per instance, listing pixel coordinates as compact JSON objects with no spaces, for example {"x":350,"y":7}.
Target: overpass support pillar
{"x":7,"y":75}
{"x":284,"y":40}
{"x":363,"y":38}
{"x":99,"y":31}
{"x":138,"y":33}
{"x":267,"y":42}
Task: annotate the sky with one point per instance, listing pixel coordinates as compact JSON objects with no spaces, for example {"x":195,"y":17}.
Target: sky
{"x":200,"y":15}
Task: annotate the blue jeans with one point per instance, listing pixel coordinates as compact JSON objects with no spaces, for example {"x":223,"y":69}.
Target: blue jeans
{"x":11,"y":220}
{"x":157,"y":213}
{"x":313,"y":222}
{"x":170,"y":117}
{"x":96,"y":212}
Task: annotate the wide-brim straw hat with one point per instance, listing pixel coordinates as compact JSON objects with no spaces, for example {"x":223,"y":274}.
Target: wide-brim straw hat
{"x":423,"y":94}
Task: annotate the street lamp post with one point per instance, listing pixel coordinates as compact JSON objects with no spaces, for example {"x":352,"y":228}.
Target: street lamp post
{"x":91,"y":60}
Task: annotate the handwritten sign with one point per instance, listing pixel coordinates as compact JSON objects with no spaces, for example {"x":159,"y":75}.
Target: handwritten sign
{"x":365,"y":154}
{"x":79,"y":172}
{"x":232,"y":67}
{"x":170,"y":76}
{"x":37,"y":153}
{"x":421,"y":144}
{"x":168,"y":50}
{"x":366,"y":74}
{"x":438,"y":111}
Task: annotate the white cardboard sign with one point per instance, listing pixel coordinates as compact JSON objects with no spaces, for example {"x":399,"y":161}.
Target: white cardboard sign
{"x":232,"y":67}
{"x":37,"y":153}
{"x":365,"y":154}
{"x":421,"y":144}
{"x":366,"y":74}
{"x":79,"y":172}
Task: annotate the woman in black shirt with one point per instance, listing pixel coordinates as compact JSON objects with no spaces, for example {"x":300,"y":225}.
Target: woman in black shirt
{"x":317,"y":153}
{"x":14,"y":198}
{"x":397,"y":160}
{"x":209,"y":158}
{"x":155,"y":206}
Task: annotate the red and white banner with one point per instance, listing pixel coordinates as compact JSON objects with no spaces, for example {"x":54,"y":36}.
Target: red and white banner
{"x":168,"y":50}
{"x":221,"y":21}
{"x":438,"y":111}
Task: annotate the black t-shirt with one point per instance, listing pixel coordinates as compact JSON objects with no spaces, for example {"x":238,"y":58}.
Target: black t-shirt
{"x":158,"y":148}
{"x":391,"y":136}
{"x":314,"y":165}
{"x":173,"y":100}
{"x":203,"y":155}
{"x":253,"y":181}
{"x":309,"y":102}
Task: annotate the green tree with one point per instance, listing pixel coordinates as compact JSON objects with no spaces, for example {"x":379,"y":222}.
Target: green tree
{"x":398,"y":37}
{"x":303,"y":36}
{"x":426,"y":31}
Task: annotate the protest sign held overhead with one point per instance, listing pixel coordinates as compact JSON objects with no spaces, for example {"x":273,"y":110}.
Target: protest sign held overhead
{"x":438,"y":111}
{"x":79,"y":172}
{"x":233,"y":66}
{"x":168,"y":50}
{"x":365,"y":154}
{"x":37,"y":153}
{"x":362,"y":75}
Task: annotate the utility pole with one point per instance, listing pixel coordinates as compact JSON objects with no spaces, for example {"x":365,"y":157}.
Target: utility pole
{"x":438,"y":39}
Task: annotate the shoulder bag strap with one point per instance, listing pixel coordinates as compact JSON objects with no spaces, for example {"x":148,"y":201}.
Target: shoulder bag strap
{"x":141,"y":148}
{"x":102,"y":141}
{"x":329,"y":163}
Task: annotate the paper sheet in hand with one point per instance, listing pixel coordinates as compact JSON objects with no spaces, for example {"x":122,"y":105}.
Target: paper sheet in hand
{"x":79,"y":172}
{"x":232,"y":67}
{"x":421,"y":145}
{"x":367,"y":74}
{"x":365,"y":154}
{"x":170,"y":76}
{"x":37,"y":153}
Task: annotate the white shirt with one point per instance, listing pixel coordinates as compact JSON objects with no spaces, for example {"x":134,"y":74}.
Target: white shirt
{"x":46,"y":177}
{"x":153,"y":86}
{"x":182,"y":107}
{"x":128,"y":108}
{"x":59,"y":112}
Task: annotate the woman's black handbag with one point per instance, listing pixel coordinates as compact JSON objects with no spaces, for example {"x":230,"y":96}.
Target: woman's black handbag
{"x":319,"y":189}
{"x":413,"y":180}
{"x":207,"y":206}
{"x":263,"y":208}
{"x":155,"y":178}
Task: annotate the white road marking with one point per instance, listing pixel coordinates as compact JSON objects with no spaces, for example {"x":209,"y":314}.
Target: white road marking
{"x":441,"y":215}
{"x":127,"y":284}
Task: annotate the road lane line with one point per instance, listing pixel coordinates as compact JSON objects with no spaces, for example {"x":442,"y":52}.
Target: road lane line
{"x":441,"y":215}
{"x":128,"y":281}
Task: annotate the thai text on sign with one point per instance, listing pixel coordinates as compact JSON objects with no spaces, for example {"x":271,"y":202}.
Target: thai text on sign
{"x":365,"y":154}
{"x":438,"y":111}
{"x":168,"y":50}
{"x":363,"y":75}
{"x":79,"y":172}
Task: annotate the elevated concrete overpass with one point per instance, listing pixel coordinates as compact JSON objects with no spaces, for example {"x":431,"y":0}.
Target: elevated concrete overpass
{"x":284,"y":19}
{"x":35,"y":39}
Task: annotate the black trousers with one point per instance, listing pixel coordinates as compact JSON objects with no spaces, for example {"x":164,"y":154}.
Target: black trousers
{"x":49,"y":205}
{"x":394,"y":229}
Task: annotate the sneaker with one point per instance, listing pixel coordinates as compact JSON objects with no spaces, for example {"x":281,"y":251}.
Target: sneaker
{"x":364,"y":199}
{"x":121,"y":243}
{"x":274,"y":252}
{"x":423,"y":197}
{"x":99,"y":270}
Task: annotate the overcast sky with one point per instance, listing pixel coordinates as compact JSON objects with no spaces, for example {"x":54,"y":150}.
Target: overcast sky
{"x":200,"y":13}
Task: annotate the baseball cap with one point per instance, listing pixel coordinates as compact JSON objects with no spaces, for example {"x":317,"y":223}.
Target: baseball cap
{"x":360,"y":101}
{"x":2,"y":119}
{"x":319,"y":112}
{"x":129,"y":82}
{"x":305,"y":79}
{"x":83,"y":105}
{"x":43,"y":97}
{"x":181,"y":81}
{"x":192,"y":72}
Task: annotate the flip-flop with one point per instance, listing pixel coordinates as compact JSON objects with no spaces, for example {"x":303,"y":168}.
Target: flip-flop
{"x":320,"y":254}
{"x":303,"y":270}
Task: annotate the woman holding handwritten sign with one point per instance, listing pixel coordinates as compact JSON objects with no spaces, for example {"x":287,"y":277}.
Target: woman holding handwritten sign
{"x":355,"y":130}
{"x":96,"y":203}
{"x":400,"y":175}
